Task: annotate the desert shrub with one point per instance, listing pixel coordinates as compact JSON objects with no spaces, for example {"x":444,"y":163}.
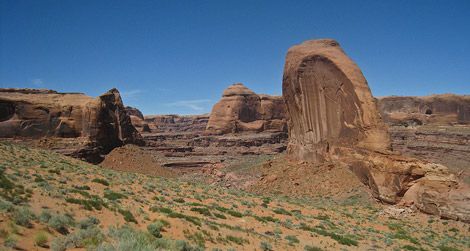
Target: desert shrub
{"x":100,"y":181}
{"x":292,"y":239}
{"x":202,"y":210}
{"x":61,"y":223}
{"x":164,"y":210}
{"x":90,"y":237}
{"x":220,"y":216}
{"x":128,"y":216}
{"x":128,"y":238}
{"x":312,"y":248}
{"x":234,"y":213}
{"x":178,"y":200}
{"x":10,"y":242}
{"x":111,"y":195}
{"x":191,"y":219}
{"x":447,"y":248}
{"x":282,"y":211}
{"x":23,"y":216}
{"x":155,"y":229}
{"x":41,"y":239}
{"x":265,"y":246}
{"x":88,"y":222}
{"x":237,"y":240}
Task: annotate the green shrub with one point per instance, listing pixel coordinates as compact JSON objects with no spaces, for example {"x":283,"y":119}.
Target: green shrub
{"x":202,"y":210}
{"x":41,"y":239}
{"x":178,"y":200}
{"x":282,"y":211}
{"x":61,"y":223}
{"x":265,"y":246}
{"x":127,"y":215}
{"x":101,"y":181}
{"x":23,"y":216}
{"x":312,"y":248}
{"x":292,"y":239}
{"x":111,"y":195}
{"x":220,"y":216}
{"x":155,"y":229}
{"x":88,"y":222}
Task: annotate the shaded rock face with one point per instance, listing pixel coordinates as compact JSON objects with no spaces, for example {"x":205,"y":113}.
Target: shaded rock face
{"x":333,"y":117}
{"x":329,"y":102}
{"x":442,"y":109}
{"x":242,"y":110}
{"x":100,"y":124}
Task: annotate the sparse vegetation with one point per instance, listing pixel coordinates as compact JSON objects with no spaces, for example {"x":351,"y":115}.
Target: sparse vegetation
{"x":146,"y":211}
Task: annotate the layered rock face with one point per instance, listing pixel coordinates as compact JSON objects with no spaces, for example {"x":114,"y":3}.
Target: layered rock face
{"x":445,"y":109}
{"x":333,"y":118}
{"x":177,"y":123}
{"x":242,"y":110}
{"x":329,"y":102}
{"x":137,"y":119}
{"x":99,"y":124}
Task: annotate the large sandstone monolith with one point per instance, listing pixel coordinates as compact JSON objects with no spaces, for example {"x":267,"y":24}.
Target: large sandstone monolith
{"x":89,"y":126}
{"x":333,"y":117}
{"x":329,"y":102}
{"x":242,"y":110}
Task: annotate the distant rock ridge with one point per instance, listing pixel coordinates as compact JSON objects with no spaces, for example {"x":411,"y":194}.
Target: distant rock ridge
{"x":98,"y":124}
{"x":333,"y":117}
{"x":433,"y":109}
{"x":242,"y":110}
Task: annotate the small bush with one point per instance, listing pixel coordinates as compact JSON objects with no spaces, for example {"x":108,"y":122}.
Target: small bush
{"x":23,"y":217}
{"x":61,"y":223}
{"x":265,"y":246}
{"x":101,"y":181}
{"x":292,"y":239}
{"x":282,"y":211}
{"x":202,"y":210}
{"x":111,"y":195}
{"x":41,"y":239}
{"x":127,"y":215}
{"x":312,"y":248}
{"x":155,"y":229}
{"x":88,"y":223}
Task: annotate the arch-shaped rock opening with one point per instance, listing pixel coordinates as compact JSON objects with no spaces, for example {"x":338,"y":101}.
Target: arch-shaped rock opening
{"x":428,"y":112}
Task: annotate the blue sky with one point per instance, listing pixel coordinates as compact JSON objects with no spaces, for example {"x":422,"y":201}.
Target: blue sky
{"x":178,"y":56}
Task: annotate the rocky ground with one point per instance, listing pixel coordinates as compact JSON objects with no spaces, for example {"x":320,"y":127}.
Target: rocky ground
{"x":52,"y":201}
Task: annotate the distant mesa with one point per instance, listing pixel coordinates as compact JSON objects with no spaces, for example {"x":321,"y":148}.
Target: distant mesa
{"x":334,"y":118}
{"x":97,"y":124}
{"x":241,"y":110}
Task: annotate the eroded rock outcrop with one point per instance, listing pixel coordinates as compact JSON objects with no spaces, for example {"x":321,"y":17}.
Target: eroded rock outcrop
{"x":137,"y":119}
{"x":99,"y":124}
{"x":329,"y":102}
{"x":444,"y":109}
{"x":242,"y":110}
{"x":333,"y":118}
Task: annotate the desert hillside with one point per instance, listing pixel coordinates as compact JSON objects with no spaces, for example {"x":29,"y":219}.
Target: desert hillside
{"x":57,"y":202}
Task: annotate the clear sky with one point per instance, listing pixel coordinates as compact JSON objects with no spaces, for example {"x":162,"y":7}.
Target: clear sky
{"x":178,"y":56}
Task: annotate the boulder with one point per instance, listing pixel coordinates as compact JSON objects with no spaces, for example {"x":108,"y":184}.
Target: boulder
{"x":137,"y":119}
{"x":242,"y":110}
{"x":99,"y":124}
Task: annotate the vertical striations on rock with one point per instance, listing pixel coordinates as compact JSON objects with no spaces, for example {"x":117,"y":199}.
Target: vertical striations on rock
{"x":329,"y":102}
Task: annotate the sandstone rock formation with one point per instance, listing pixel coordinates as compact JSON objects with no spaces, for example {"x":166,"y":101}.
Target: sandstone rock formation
{"x":177,"y":123}
{"x":329,"y":102}
{"x":99,"y":124}
{"x":137,"y":119}
{"x":333,"y":118}
{"x":444,"y":109}
{"x":242,"y":110}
